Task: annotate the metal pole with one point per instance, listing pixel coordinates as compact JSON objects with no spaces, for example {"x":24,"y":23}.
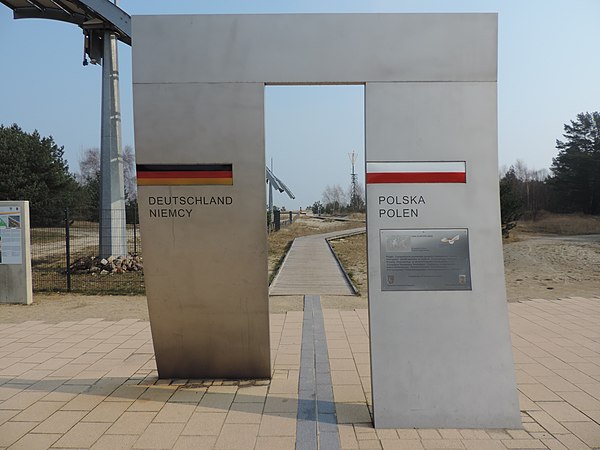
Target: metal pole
{"x":113,"y":237}
{"x":271,"y":194}
{"x":68,"y":248}
{"x":135,"y":230}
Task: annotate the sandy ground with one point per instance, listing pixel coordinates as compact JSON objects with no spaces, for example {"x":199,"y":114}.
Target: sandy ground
{"x":536,"y":266}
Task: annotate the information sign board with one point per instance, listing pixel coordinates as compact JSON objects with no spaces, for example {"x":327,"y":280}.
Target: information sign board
{"x":11,"y":251}
{"x":425,"y":260}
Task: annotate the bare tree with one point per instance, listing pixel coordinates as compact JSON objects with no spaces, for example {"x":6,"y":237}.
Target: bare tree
{"x":89,"y":169}
{"x":334,"y":198}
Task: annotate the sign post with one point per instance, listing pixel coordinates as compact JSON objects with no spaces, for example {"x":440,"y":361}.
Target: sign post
{"x":15,"y":255}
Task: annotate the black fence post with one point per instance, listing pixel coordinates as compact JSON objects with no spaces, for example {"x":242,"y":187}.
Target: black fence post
{"x":135,"y":212}
{"x":68,"y":248}
{"x":277,"y":220}
{"x":291,"y":219}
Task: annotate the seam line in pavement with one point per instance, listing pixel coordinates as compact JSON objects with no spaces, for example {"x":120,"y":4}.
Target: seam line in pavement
{"x":317,"y":422}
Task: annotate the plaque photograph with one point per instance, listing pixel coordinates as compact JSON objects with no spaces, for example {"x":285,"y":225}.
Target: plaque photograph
{"x":425,"y":260}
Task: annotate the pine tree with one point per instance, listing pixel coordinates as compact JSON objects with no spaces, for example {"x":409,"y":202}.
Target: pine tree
{"x":576,"y":169}
{"x":33,"y":168}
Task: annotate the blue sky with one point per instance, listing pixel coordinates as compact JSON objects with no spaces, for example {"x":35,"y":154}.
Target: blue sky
{"x":549,"y":71}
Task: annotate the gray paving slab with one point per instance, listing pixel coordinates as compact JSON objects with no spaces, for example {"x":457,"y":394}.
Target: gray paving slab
{"x":310,"y":268}
{"x":316,"y":425}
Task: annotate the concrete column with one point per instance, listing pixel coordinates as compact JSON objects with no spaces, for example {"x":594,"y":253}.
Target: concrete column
{"x":113,"y":237}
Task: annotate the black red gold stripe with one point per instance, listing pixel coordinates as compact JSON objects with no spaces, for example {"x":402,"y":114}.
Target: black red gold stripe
{"x":184,"y":174}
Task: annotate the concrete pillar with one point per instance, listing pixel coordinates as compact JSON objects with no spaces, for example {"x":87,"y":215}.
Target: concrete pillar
{"x":113,"y":237}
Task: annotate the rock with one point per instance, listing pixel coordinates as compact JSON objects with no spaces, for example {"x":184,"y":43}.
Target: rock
{"x":104,"y":272}
{"x":103,"y":262}
{"x":111,"y":259}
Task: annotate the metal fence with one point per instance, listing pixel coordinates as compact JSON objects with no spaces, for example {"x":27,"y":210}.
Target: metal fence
{"x":67,"y":258}
{"x":280,"y":219}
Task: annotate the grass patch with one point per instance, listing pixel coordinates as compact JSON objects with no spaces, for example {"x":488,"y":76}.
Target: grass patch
{"x":352,"y":253}
{"x":46,"y":235}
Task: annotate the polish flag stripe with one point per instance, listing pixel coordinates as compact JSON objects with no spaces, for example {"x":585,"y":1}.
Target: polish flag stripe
{"x":417,"y":172}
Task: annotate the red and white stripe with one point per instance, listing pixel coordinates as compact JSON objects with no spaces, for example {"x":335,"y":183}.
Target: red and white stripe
{"x":417,"y":172}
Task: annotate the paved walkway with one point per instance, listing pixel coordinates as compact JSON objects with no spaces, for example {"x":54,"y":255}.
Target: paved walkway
{"x":310,"y":268}
{"x":93,"y":384}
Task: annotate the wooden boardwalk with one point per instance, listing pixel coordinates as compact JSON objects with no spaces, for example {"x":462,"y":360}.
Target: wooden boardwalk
{"x":310,"y":268}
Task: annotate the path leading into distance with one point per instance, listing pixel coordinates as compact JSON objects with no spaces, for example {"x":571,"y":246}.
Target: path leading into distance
{"x":310,"y":268}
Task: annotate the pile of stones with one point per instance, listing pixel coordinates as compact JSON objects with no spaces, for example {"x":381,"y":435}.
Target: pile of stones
{"x":105,"y":266}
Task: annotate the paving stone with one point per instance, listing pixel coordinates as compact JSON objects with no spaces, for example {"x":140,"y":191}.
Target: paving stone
{"x":22,"y":400}
{"x":215,"y":402}
{"x":408,"y":434}
{"x":107,"y":412}
{"x":442,"y":444}
{"x":563,"y":412}
{"x":205,"y":424}
{"x":348,"y":393}
{"x":345,"y":377}
{"x":35,"y":442}
{"x":245,"y":413}
{"x":524,"y":443}
{"x":483,"y":444}
{"x":280,"y":403}
{"x":369,"y":444}
{"x":131,"y":422}
{"x":237,"y":437}
{"x":195,"y":443}
{"x":275,"y":443}
{"x":588,"y":432}
{"x":403,"y":444}
{"x":428,"y":434}
{"x":352,"y":413}
{"x":59,"y":422}
{"x":538,"y":392}
{"x":38,"y":412}
{"x":115,"y":442}
{"x":175,"y":412}
{"x":278,"y":424}
{"x":11,"y":432}
{"x":159,"y":436}
{"x":82,"y":435}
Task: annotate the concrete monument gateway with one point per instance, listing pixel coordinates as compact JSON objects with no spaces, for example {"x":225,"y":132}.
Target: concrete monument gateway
{"x":440,"y":344}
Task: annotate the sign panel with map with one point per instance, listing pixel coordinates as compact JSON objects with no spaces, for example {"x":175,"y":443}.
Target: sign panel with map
{"x":425,"y":260}
{"x":11,"y":251}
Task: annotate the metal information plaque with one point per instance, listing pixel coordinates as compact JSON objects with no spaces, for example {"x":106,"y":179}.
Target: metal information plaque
{"x":425,"y":260}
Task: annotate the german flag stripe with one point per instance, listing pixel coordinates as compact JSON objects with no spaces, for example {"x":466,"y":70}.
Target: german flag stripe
{"x":184,"y":174}
{"x":184,"y":181}
{"x":184,"y":167}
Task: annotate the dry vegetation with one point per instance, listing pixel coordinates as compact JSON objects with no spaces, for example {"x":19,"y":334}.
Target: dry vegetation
{"x":352,"y":253}
{"x":561,"y":224}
